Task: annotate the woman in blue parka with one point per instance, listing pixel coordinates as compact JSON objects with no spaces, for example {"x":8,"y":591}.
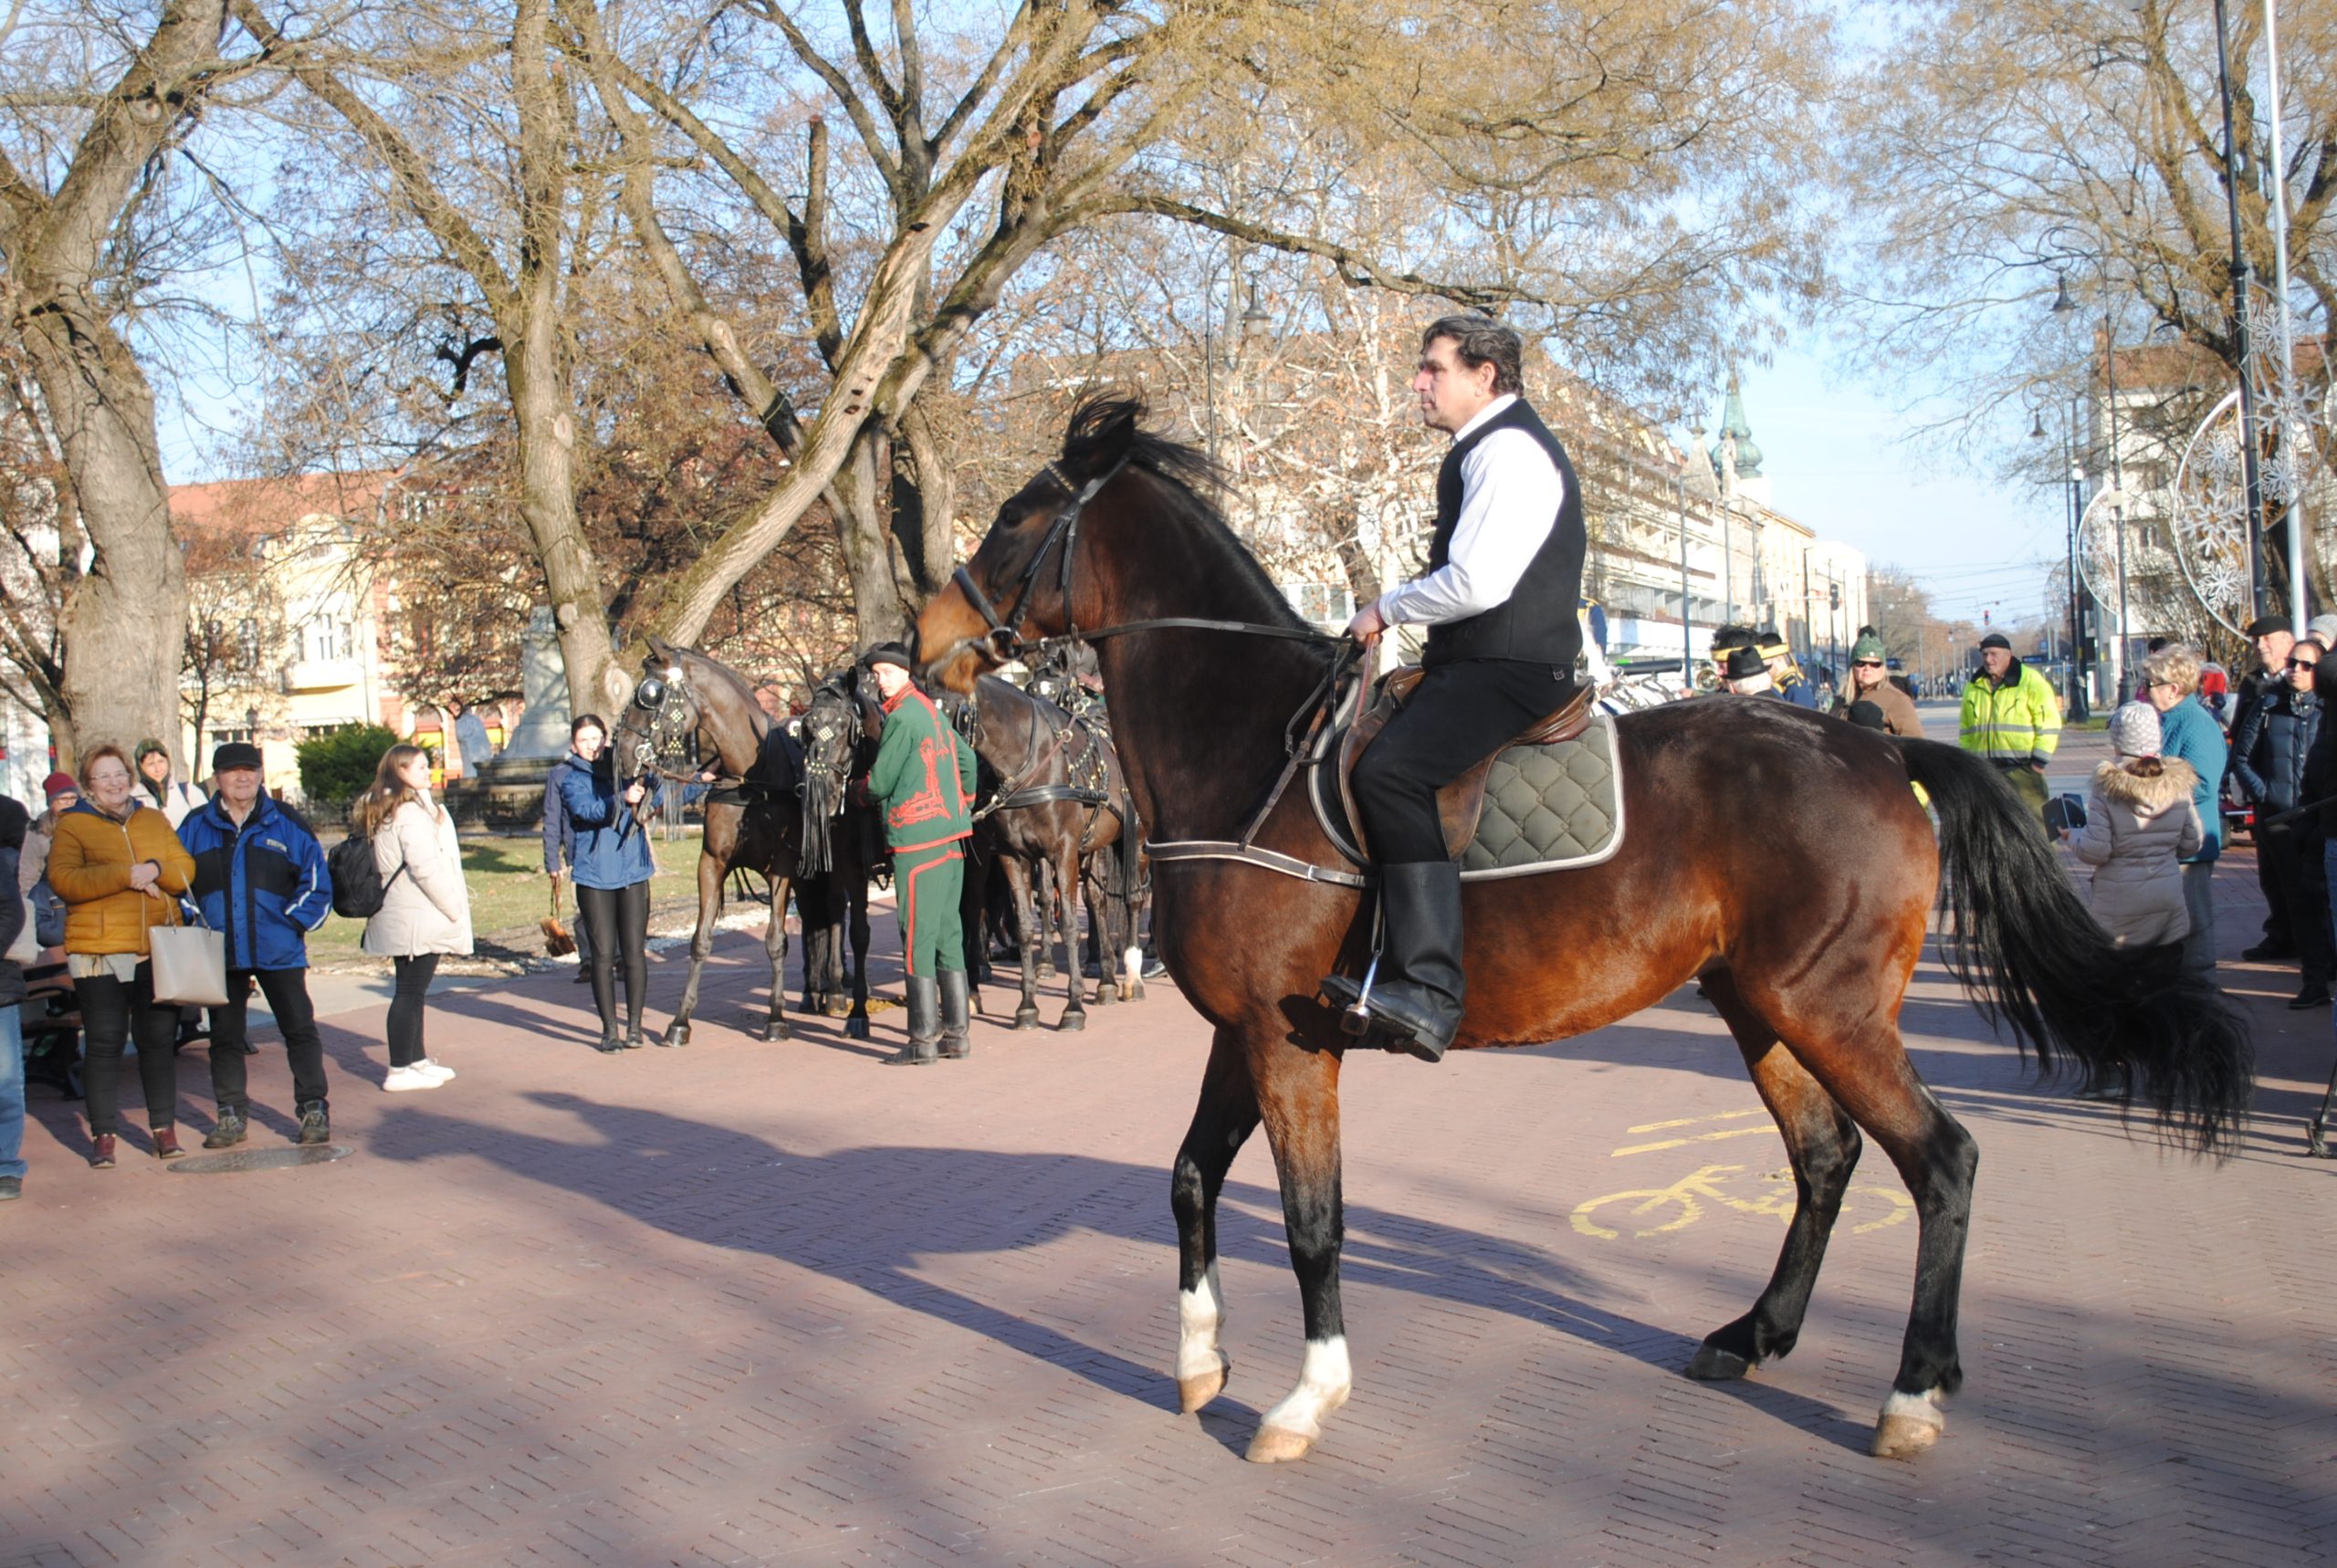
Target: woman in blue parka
{"x":613,"y":868}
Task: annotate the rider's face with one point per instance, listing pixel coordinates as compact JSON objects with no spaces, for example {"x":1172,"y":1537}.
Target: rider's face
{"x":1451,"y":393}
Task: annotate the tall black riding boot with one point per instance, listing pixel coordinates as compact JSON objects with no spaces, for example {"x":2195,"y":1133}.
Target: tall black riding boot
{"x":925,"y":1025}
{"x":956,"y":1017}
{"x":1415,"y":1004}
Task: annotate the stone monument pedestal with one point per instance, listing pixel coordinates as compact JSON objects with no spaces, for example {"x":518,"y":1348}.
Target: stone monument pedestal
{"x":509,"y":792}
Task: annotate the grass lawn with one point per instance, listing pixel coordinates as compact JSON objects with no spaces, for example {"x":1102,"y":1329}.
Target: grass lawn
{"x":506,"y":876}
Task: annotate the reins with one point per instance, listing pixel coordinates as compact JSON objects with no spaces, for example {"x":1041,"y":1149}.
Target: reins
{"x":1006,"y":641}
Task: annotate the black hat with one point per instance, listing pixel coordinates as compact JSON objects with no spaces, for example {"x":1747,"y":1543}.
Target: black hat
{"x":890,"y":654}
{"x":233,"y":754}
{"x":1744,"y":664}
{"x":2265,"y":625}
{"x":1997,"y":639}
{"x":1867,"y":716}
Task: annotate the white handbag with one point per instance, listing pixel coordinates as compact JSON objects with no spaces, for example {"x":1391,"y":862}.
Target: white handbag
{"x":189,"y":965}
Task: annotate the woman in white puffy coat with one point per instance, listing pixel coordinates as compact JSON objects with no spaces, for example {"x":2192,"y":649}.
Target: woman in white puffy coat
{"x":2140,"y":823}
{"x":426,"y":910}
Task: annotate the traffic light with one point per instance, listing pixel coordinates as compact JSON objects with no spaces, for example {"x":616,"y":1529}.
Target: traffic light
{"x":1834,"y":595}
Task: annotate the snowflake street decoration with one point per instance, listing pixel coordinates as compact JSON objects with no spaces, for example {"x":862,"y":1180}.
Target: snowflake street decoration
{"x":2209,"y":518}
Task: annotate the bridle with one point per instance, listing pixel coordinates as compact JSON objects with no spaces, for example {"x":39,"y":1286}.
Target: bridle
{"x":669,"y":728}
{"x":833,"y":726}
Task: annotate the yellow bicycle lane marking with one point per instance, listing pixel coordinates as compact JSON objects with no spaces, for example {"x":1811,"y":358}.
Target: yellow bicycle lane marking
{"x":1681,"y":1204}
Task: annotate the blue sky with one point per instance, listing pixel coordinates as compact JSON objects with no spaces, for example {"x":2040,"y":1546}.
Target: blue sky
{"x":1835,"y":451}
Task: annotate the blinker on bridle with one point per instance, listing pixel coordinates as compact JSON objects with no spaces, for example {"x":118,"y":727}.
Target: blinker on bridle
{"x":1005,"y":639}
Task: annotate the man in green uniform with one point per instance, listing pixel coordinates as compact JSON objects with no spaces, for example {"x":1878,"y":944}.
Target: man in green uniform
{"x":923,"y":779}
{"x":2010,"y":717}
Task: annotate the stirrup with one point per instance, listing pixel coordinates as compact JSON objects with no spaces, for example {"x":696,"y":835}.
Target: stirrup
{"x":1353,"y":999}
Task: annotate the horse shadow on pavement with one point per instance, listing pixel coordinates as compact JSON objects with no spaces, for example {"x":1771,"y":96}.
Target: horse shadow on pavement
{"x":871,"y":1214}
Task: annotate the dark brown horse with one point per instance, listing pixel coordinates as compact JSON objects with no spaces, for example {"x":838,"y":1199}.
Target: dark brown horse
{"x":1059,"y":806}
{"x":843,"y":845}
{"x":1804,"y":923}
{"x":687,"y":702}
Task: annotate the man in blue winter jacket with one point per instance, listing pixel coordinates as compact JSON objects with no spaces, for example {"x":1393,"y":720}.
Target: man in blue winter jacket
{"x":260,"y":879}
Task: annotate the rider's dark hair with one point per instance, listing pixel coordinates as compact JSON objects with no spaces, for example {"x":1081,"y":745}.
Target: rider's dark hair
{"x":595,"y":720}
{"x":1479,"y":339}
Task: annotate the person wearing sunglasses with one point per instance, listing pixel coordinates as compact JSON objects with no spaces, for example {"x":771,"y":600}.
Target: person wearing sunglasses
{"x":1870,"y":682}
{"x":2189,"y":734}
{"x":2269,"y":755}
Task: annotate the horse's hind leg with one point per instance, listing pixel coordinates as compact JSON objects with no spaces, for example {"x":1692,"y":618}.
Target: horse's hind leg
{"x":1864,"y":1066}
{"x":1226,"y":1116}
{"x":775,"y":1025}
{"x":1823,"y":1143}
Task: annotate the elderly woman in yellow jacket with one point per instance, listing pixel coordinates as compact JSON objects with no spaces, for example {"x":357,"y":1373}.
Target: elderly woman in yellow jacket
{"x":120,"y":869}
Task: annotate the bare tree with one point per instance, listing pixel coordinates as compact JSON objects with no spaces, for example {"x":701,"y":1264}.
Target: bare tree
{"x":85,"y":167}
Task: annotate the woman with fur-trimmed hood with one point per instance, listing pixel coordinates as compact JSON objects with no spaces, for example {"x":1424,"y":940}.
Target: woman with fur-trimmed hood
{"x":2140,"y":823}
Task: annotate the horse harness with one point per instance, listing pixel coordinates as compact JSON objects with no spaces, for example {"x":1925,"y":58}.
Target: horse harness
{"x":1087,"y":777}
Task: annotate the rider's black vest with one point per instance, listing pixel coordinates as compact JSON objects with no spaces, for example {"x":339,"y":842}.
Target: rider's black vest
{"x":1536,"y":623}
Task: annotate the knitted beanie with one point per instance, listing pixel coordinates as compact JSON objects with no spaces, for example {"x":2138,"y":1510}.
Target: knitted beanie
{"x":2134,"y":730}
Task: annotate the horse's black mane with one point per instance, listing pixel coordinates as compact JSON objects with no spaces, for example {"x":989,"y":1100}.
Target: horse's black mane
{"x":1107,"y":430}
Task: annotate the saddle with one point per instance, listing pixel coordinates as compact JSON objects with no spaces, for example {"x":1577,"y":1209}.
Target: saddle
{"x":1460,"y":803}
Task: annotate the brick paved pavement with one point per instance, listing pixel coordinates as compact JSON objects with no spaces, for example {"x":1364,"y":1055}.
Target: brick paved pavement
{"x":762,"y":1303}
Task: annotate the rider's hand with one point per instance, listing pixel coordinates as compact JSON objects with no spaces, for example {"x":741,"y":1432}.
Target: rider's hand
{"x":1366,"y":626}
{"x":634,"y":792}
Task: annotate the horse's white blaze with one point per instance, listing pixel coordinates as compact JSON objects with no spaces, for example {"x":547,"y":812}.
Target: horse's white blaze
{"x":1200,"y":1312}
{"x":1132,"y":964}
{"x":1325,"y":1380}
{"x":1923,"y":1407}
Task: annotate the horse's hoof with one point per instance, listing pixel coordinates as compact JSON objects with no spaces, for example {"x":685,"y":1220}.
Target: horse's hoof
{"x":1132,"y":993}
{"x":1713,"y":1365}
{"x":1105,"y":996}
{"x":839,"y":1008}
{"x":856,"y":1027}
{"x":1192,"y":1392}
{"x":1903,"y":1437}
{"x":1071,"y":1023}
{"x":1026,"y":1018}
{"x":1278,"y":1446}
{"x":1045,"y":971}
{"x":677,"y":1034}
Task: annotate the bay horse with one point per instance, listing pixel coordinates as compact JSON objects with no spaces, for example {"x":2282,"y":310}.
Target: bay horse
{"x":843,"y":845}
{"x":751,"y":820}
{"x":1060,"y":804}
{"x":1804,"y":925}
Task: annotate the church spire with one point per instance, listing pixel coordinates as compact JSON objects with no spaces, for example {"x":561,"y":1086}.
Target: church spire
{"x":1733,"y":426}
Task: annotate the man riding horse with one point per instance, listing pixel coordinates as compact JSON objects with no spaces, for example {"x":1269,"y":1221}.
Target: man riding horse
{"x":1504,"y":577}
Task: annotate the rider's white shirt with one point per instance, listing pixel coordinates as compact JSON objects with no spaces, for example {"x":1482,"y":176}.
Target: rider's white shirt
{"x":1510,"y":492}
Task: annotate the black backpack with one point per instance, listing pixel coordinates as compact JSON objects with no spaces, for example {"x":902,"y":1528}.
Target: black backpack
{"x":358,"y":889}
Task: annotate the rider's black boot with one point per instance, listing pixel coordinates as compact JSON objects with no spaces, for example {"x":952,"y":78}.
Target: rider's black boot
{"x":925,"y":1025}
{"x":956,"y":1016}
{"x":1415,"y":1005}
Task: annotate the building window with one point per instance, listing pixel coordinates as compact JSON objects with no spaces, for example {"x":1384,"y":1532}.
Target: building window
{"x":318,"y":731}
{"x":232,"y":737}
{"x":246,"y":644}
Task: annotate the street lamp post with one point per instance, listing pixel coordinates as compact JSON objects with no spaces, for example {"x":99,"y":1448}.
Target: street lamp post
{"x":2243,"y":278}
{"x":2063,"y":304}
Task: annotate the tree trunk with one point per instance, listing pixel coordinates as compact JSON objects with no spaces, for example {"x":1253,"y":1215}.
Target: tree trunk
{"x":542,"y":405}
{"x":124,"y":623}
{"x":925,"y":508}
{"x":864,"y":536}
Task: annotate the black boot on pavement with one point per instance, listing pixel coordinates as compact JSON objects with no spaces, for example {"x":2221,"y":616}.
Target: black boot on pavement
{"x":632,"y":1034}
{"x":610,"y":1041}
{"x":230,"y":1131}
{"x":2315,"y":994}
{"x":956,"y":1016}
{"x":924,"y":999}
{"x":1416,"y":1003}
{"x":316,"y":1125}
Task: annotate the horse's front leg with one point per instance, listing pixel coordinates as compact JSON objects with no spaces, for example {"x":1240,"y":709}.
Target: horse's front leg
{"x":855,"y":1025}
{"x":1017,"y":882}
{"x":1298,"y":1096}
{"x":775,"y":1025}
{"x":1103,"y":936}
{"x":709,"y":909}
{"x":1075,"y":1009}
{"x":1224,"y":1119}
{"x":820,"y":932}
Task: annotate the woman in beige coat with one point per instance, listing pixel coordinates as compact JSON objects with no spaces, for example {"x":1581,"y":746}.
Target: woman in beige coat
{"x":425,"y":907}
{"x":2139,"y":823}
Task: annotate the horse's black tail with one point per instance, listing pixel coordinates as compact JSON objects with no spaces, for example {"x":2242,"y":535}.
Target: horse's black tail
{"x":2022,"y":942}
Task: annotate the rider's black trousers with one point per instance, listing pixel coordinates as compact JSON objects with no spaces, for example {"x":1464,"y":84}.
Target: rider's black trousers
{"x":1458,"y":715}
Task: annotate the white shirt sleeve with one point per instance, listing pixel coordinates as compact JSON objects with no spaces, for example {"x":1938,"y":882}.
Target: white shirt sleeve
{"x":1510,"y":496}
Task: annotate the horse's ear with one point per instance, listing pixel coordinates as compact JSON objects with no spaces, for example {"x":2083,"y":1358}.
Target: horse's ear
{"x":660,"y":650}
